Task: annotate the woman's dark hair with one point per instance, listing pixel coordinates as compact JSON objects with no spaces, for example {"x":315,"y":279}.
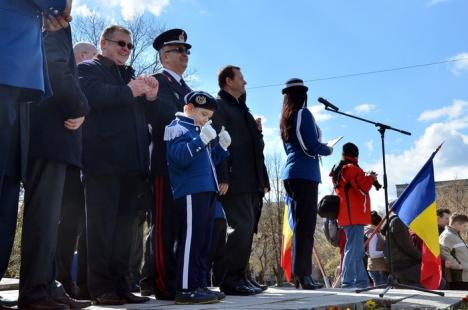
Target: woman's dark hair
{"x":294,"y":99}
{"x":375,"y":218}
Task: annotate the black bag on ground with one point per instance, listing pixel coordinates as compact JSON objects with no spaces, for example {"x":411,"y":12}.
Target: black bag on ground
{"x":328,"y":206}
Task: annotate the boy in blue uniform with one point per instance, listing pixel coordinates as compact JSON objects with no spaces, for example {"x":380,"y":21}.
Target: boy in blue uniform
{"x":193,"y":150}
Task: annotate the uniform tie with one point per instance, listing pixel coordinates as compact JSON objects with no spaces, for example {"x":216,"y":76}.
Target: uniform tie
{"x":184,"y":85}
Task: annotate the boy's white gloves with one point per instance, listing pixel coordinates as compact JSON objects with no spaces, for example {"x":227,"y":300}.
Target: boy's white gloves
{"x":207,"y":133}
{"x":224,"y":139}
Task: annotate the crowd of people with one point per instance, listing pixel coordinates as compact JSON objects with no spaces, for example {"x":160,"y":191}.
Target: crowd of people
{"x":100,"y":152}
{"x":392,"y":248}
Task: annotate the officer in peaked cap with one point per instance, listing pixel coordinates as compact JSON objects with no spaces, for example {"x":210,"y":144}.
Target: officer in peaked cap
{"x":171,"y":37}
{"x":160,"y":278}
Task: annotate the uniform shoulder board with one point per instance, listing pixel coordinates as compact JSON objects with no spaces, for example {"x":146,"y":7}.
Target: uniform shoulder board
{"x":174,"y":130}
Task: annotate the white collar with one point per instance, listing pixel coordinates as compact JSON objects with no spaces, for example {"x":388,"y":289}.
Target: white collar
{"x":174,"y":75}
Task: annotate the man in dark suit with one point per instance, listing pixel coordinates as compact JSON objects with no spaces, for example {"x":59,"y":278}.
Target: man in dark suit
{"x":20,"y":81}
{"x":243,"y":179}
{"x":55,"y":144}
{"x":115,"y":162}
{"x":173,"y":53}
{"x":72,"y":225}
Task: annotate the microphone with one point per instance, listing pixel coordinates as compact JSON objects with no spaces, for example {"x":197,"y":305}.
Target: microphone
{"x":327,"y":104}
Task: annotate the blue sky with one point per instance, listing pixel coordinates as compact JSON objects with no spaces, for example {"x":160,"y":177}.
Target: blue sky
{"x":274,"y":40}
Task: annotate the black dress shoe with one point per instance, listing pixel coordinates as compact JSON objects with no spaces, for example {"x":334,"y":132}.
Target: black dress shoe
{"x":7,"y":302}
{"x":256,"y":290}
{"x":44,"y":304}
{"x":73,"y":303}
{"x":252,"y":282}
{"x":306,"y":283}
{"x":168,"y":295}
{"x":109,"y":299}
{"x":134,"y":299}
{"x":237,"y":290}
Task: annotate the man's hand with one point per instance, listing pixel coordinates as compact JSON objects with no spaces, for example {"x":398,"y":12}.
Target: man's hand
{"x":66,"y":13}
{"x":74,"y":123}
{"x":258,"y":120}
{"x":138,"y":87}
{"x":52,"y":23}
{"x":153,"y":86}
{"x":223,"y":188}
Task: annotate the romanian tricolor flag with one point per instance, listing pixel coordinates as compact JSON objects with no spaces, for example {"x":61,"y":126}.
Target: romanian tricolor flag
{"x":416,"y":207}
{"x":286,"y":244}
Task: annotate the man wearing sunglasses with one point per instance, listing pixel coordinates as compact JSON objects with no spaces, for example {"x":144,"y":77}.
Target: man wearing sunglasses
{"x":173,"y":53}
{"x":115,"y":162}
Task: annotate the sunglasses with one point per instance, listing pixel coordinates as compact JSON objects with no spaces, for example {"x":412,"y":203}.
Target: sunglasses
{"x":122,"y":43}
{"x":179,"y":50}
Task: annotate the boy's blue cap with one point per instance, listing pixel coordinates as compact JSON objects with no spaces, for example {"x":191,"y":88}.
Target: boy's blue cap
{"x":201,"y":99}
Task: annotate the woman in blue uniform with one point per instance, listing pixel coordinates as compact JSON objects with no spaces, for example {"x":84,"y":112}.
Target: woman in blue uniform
{"x":301,"y":176}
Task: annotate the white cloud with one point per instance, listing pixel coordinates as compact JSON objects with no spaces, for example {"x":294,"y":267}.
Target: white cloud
{"x":450,"y":163}
{"x":364,"y":108}
{"x":370,"y":145}
{"x":133,"y":8}
{"x":81,"y":10}
{"x":319,"y":113}
{"x":451,"y":112}
{"x":460,"y":66}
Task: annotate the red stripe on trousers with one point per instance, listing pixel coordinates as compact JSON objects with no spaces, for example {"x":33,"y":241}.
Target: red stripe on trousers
{"x":158,"y":240}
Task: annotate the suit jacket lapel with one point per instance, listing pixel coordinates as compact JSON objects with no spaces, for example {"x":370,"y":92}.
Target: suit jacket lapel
{"x":179,"y":90}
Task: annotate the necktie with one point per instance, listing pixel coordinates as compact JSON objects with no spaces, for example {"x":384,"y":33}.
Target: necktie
{"x":184,"y":85}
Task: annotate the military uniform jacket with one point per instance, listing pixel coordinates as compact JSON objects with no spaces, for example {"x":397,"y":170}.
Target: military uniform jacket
{"x":244,"y":169}
{"x":49,"y":137}
{"x":160,"y":114}
{"x":190,"y":162}
{"x":303,"y":148}
{"x":115,"y":133}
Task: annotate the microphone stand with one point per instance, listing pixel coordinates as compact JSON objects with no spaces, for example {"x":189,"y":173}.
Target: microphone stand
{"x":392,"y":281}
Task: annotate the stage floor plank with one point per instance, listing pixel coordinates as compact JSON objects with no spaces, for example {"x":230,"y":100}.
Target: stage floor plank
{"x":289,"y":298}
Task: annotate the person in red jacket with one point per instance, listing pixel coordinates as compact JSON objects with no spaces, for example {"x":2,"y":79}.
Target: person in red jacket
{"x":352,"y":185}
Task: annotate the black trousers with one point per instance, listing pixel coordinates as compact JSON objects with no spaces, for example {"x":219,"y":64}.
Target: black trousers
{"x":304,"y":212}
{"x":161,"y":239}
{"x":241,"y":210}
{"x":148,"y":275}
{"x":111,"y":206}
{"x":9,"y":97}
{"x":42,"y":205}
{"x":195,"y":214}
{"x":9,"y":170}
{"x":9,"y":194}
{"x":136,"y":250}
{"x":217,"y":261}
{"x":72,"y":232}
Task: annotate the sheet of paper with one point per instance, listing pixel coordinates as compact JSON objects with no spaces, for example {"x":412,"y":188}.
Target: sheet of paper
{"x":334,"y":141}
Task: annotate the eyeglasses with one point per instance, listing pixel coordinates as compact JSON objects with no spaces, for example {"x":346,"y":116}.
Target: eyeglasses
{"x":122,"y":43}
{"x":179,"y":50}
